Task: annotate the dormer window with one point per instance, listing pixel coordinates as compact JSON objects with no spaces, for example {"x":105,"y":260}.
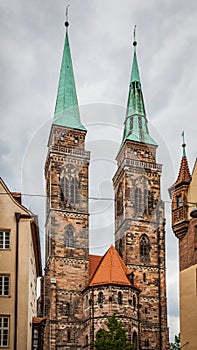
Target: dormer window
{"x":179,"y":201}
{"x":76,"y":140}
{"x":146,"y":154}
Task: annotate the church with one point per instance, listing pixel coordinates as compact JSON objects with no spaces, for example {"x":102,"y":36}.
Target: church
{"x":79,"y":290}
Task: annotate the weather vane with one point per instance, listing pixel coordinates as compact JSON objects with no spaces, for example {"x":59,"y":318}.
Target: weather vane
{"x":134,"y":36}
{"x":67,"y":23}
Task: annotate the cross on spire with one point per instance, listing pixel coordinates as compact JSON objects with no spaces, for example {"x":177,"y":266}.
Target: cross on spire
{"x":67,"y":22}
{"x":134,"y":37}
{"x":183,"y":144}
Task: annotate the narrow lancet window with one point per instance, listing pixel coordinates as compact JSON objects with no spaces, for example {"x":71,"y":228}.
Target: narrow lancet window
{"x":144,"y":246}
{"x":69,"y":236}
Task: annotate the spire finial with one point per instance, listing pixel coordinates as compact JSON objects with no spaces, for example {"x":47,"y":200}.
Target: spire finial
{"x":183,"y":144}
{"x":134,"y":36}
{"x":67,"y":23}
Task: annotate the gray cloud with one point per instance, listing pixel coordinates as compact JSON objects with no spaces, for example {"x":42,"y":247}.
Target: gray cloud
{"x":32,"y":36}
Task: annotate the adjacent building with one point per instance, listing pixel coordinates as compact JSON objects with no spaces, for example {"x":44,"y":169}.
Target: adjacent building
{"x":184,"y":224}
{"x":79,"y":290}
{"x":20,"y":266}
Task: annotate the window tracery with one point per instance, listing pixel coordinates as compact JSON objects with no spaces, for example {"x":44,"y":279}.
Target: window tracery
{"x":69,"y":187}
{"x":143,"y":198}
{"x":144,"y":246}
{"x":69,"y":236}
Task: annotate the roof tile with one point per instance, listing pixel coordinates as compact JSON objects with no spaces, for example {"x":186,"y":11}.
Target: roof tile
{"x":184,"y":173}
{"x":110,"y":269}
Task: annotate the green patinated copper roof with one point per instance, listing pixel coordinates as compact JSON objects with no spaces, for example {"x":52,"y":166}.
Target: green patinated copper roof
{"x":136,"y":124}
{"x":67,"y":109}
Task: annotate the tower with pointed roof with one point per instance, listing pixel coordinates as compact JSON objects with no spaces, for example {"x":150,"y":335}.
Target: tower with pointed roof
{"x":80,"y":291}
{"x":139,"y":216}
{"x":67,"y":252}
{"x":183,"y":194}
{"x":179,"y":194}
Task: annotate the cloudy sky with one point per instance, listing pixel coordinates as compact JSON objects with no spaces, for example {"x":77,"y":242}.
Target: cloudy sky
{"x":101,"y":33}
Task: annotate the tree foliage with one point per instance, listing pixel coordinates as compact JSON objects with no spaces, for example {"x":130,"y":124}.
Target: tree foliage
{"x":177,"y":343}
{"x":114,"y":338}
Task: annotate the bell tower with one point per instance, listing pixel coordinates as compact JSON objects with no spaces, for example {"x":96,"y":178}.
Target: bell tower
{"x":139,"y":216}
{"x":67,"y":232}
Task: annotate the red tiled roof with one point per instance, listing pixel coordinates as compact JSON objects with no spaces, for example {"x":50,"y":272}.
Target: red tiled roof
{"x":184,"y":173}
{"x":94,"y":260}
{"x":110,"y":269}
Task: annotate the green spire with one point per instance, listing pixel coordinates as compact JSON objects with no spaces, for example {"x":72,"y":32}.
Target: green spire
{"x":67,"y":109}
{"x":136,"y":124}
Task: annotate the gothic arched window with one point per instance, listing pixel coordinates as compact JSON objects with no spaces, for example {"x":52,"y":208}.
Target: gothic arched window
{"x":69,"y":236}
{"x":144,"y":246}
{"x":64,"y":189}
{"x":144,"y":277}
{"x":69,"y":186}
{"x":138,"y":201}
{"x":143,"y":197}
{"x":135,"y":340}
{"x":68,"y":336}
{"x":134,"y":302}
{"x":119,"y":204}
{"x":148,"y":202}
{"x":72,"y":190}
{"x":100,"y":297}
{"x":120,"y":298}
{"x":86,"y":340}
{"x":67,"y":309}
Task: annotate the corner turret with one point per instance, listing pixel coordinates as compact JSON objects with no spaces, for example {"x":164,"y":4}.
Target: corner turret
{"x":179,"y":195}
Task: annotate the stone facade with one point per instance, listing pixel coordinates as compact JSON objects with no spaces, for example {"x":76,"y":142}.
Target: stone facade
{"x":80,"y":291}
{"x":140,"y":235}
{"x":74,"y":313}
{"x":67,"y":253}
{"x":96,"y":311}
